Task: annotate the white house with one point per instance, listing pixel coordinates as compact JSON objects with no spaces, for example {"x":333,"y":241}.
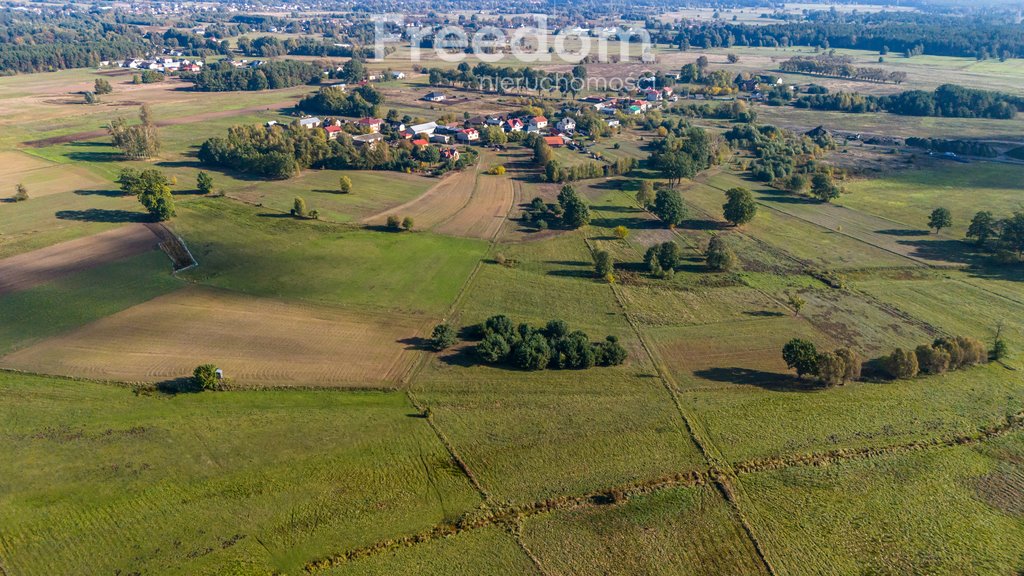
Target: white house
{"x":612,"y":122}
{"x":435,"y":97}
{"x":398,"y":75}
{"x":310,"y":123}
{"x":467,"y":135}
{"x":427,"y":128}
{"x":566,"y":124}
{"x":538,"y":123}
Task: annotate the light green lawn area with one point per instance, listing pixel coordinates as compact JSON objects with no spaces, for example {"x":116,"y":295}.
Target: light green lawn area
{"x":100,"y":480}
{"x":673,"y":531}
{"x":270,"y":254}
{"x":910,"y":195}
{"x":945,"y":511}
{"x":488,"y":550}
{"x":49,"y":309}
{"x":748,"y":418}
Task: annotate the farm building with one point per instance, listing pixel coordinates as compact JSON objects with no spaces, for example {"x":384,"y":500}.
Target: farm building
{"x":435,"y":97}
{"x":368,"y":139}
{"x":428,"y":128}
{"x":310,"y":123}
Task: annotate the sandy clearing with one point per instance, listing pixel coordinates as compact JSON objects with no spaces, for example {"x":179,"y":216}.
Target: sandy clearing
{"x":256,"y":341}
{"x":30,"y":269}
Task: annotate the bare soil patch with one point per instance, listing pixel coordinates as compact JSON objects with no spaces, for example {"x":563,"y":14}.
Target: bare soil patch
{"x":30,"y":269}
{"x":258,"y":342}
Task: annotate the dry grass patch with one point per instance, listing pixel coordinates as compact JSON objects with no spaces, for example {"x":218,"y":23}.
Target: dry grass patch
{"x":741,"y":352}
{"x":258,"y":342}
{"x":664,"y":306}
{"x":485,"y":210}
{"x":439,"y":204}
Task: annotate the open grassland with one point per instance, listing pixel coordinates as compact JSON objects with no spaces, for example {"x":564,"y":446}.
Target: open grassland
{"x":565,"y":432}
{"x":30,"y":269}
{"x":99,"y":480}
{"x":718,"y":354}
{"x":814,"y":232}
{"x":758,"y":415}
{"x":948,"y":511}
{"x":958,"y":305}
{"x":32,"y":315}
{"x":489,"y":550}
{"x":42,"y":178}
{"x":48,"y":220}
{"x":257,"y":342}
{"x":371,"y":192}
{"x":268,"y":254}
{"x":655,"y":305}
{"x":675,"y":531}
{"x":443,"y":201}
{"x":909,"y":195}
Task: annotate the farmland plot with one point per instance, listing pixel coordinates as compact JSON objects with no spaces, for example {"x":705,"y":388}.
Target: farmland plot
{"x":30,"y":269}
{"x":99,"y":480}
{"x":946,"y":511}
{"x":258,"y":342}
{"x":443,"y":201}
{"x":676,"y":531}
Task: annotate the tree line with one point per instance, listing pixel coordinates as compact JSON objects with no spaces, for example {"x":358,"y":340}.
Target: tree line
{"x":839,"y":67}
{"x":224,"y":77}
{"x":948,"y":100}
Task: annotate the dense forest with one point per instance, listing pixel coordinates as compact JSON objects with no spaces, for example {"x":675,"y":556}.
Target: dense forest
{"x":223,"y":77}
{"x":44,"y":42}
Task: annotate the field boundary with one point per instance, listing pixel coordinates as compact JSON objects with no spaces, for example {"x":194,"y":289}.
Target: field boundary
{"x":620,"y":494}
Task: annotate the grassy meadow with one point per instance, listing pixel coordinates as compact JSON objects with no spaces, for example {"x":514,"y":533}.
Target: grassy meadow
{"x":342,"y":433}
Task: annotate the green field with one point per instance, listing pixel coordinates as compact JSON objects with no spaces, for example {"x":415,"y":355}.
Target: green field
{"x":211,"y":483}
{"x":60,"y":305}
{"x":342,"y":444}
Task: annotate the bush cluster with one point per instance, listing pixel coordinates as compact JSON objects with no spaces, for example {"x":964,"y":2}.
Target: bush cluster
{"x":829,"y":368}
{"x":553,"y":346}
{"x":938,"y":357}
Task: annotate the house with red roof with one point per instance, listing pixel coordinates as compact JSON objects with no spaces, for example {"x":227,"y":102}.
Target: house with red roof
{"x":371,"y":124}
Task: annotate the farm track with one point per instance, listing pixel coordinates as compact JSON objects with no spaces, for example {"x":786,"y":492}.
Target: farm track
{"x":191,"y":119}
{"x":33,"y":268}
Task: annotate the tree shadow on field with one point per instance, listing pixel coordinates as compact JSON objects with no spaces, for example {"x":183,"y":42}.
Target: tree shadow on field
{"x":904,"y":232}
{"x":791,"y":200}
{"x":955,"y":251}
{"x":766,"y":380}
{"x":691,"y":224}
{"x":106,"y":193}
{"x":102,"y":215}
{"x":415,"y":343}
{"x":463,"y":357}
{"x":764,"y":314}
{"x":183,"y":385}
{"x":94,"y":156}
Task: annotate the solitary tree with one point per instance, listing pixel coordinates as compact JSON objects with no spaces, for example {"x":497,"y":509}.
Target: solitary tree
{"x":91,"y":98}
{"x":394,"y":223}
{"x":344,"y":185}
{"x":443,"y":337}
{"x":719,"y":256}
{"x":796,"y":303}
{"x":20,"y":193}
{"x":102,"y":86}
{"x":204,"y":182}
{"x":299,"y":207}
{"x":983,"y":227}
{"x":940,"y":218}
{"x":668,"y":205}
{"x":575,"y":213}
{"x":733,"y":58}
{"x":407,"y":223}
{"x":1013,"y":233}
{"x":603,"y":264}
{"x":800,"y":355}
{"x":740,"y":207}
{"x":621,"y":232}
{"x":205,"y":377}
{"x":645,"y":196}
